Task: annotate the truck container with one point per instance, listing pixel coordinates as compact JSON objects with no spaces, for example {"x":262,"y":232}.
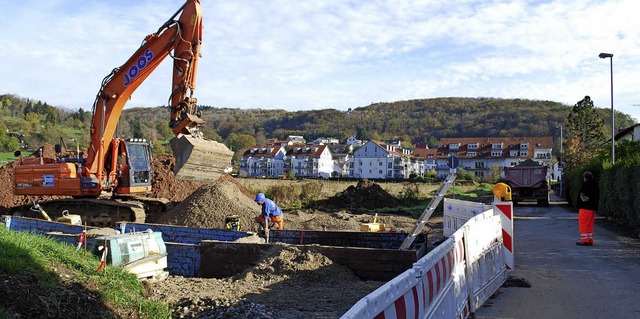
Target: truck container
{"x":528,"y":181}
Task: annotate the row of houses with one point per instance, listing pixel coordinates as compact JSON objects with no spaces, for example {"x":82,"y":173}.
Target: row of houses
{"x":388,"y":160}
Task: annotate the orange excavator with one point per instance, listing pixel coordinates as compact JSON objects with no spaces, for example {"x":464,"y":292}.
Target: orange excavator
{"x":118,"y":166}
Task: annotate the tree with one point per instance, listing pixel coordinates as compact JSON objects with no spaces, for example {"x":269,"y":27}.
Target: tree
{"x":584,"y":123}
{"x":239,"y":142}
{"x":585,"y":133}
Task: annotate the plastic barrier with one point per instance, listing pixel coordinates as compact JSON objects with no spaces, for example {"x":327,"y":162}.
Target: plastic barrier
{"x":424,"y":288}
{"x":451,"y":281}
{"x":486,"y":269}
{"x":457,"y":212}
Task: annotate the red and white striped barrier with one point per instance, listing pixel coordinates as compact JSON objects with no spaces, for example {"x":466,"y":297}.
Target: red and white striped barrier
{"x":452,"y":281}
{"x":505,"y":210}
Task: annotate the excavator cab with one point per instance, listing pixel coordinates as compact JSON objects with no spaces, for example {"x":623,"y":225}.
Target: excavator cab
{"x":198,"y":159}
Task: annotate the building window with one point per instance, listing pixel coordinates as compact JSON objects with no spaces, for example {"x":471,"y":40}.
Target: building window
{"x":479,"y":165}
{"x":495,"y":153}
{"x":389,"y":165}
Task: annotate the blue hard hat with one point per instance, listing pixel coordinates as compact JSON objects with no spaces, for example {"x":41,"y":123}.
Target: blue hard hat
{"x":260,"y":197}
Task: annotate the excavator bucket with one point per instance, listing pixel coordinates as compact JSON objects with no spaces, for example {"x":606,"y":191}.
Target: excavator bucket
{"x":198,"y":159}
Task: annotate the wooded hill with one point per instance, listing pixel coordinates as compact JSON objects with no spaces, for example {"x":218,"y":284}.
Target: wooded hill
{"x":413,"y":121}
{"x":420,"y":120}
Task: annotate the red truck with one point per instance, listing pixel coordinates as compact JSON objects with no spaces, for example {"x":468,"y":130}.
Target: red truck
{"x":528,"y":182}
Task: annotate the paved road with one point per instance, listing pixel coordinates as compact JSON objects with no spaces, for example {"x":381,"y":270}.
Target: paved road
{"x":568,"y":281}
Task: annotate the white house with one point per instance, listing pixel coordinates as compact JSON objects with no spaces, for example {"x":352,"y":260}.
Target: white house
{"x":326,"y":140}
{"x":309,"y":161}
{"x":380,"y":160}
{"x":353,"y":141}
{"x":631,"y":133}
{"x":262,"y":161}
{"x":428,"y":156}
{"x":295,"y":139}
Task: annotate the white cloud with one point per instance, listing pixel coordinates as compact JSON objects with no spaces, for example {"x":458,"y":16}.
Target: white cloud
{"x":339,"y":54}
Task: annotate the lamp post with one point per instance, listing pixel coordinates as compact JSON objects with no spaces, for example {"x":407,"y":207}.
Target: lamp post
{"x":560,"y":165}
{"x":613,"y":123}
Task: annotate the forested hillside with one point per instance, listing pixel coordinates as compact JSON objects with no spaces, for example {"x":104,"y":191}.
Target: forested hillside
{"x":412,"y":121}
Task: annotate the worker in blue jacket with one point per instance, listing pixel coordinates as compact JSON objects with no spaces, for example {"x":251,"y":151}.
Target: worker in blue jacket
{"x":270,"y":211}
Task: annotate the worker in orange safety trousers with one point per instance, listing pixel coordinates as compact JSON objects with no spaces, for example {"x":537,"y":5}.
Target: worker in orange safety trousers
{"x":587,"y":206}
{"x":270,"y":211}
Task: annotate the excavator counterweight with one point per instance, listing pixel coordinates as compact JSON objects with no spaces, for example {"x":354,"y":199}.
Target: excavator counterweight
{"x":198,"y":159}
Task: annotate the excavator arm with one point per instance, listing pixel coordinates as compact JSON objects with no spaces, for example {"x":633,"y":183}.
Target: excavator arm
{"x":180,"y":37}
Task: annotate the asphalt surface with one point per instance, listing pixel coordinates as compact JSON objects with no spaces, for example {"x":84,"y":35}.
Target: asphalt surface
{"x":567,"y":281}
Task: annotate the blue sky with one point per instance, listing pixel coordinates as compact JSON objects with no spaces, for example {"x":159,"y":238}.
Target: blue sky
{"x":302,"y":55}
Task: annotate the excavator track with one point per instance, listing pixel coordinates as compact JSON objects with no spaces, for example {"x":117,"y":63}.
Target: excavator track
{"x":93,"y":212}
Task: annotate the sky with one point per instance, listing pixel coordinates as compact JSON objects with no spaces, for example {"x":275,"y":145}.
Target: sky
{"x":321,"y":54}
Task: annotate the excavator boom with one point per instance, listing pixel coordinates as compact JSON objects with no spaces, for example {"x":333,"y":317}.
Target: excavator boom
{"x":180,"y":37}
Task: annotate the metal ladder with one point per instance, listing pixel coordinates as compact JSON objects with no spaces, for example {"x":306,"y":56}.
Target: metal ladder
{"x":422,"y":221}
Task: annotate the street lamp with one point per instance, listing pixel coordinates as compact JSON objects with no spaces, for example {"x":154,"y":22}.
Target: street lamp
{"x":613,"y":123}
{"x":560,"y":165}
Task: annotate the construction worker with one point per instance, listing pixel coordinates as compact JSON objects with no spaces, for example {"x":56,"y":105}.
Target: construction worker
{"x":587,"y":206}
{"x":270,"y":211}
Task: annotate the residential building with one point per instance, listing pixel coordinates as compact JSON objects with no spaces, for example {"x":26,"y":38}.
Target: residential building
{"x":428,"y":156}
{"x":341,"y":155}
{"x":282,"y":143}
{"x":295,"y":139}
{"x":396,"y":143}
{"x":326,"y":140}
{"x":377,"y":159}
{"x":631,"y":133}
{"x":258,"y":161}
{"x":314,"y":161}
{"x":483,"y":155}
{"x":353,"y":141}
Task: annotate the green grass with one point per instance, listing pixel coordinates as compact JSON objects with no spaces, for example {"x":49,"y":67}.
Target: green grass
{"x":28,"y":255}
{"x":6,"y":157}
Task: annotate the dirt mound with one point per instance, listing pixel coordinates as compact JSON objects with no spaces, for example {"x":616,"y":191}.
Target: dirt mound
{"x":209,"y":205}
{"x":299,"y":284}
{"x":165,"y":184}
{"x":366,"y":194}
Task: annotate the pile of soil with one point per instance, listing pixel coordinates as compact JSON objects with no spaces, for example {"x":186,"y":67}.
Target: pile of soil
{"x":209,"y":206}
{"x":366,"y":194}
{"x":165,"y":184}
{"x":289,"y":283}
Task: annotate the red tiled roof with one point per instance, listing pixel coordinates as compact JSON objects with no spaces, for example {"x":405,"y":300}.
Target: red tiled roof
{"x":306,"y":150}
{"x":485,"y":145}
{"x":262,"y":151}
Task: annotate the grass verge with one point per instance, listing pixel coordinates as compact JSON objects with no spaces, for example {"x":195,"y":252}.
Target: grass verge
{"x":40,"y":277}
